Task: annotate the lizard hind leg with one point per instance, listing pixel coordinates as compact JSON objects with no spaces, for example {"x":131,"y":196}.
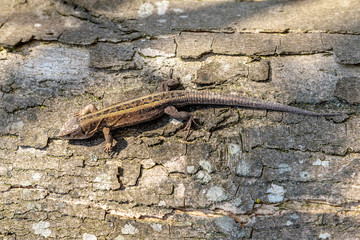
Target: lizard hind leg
{"x":185,"y":116}
{"x":169,"y":84}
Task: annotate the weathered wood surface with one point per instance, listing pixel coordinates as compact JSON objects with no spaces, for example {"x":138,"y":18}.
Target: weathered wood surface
{"x":241,"y":174}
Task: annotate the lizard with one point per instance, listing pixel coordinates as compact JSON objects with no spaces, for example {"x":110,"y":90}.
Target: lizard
{"x":89,"y":120}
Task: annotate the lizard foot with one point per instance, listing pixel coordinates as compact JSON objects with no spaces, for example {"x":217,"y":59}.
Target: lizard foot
{"x":108,"y":148}
{"x":110,"y":141}
{"x":170,"y":83}
{"x":188,"y":126}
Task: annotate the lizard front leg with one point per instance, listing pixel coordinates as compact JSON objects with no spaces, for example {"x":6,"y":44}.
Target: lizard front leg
{"x":110,"y":141}
{"x":185,"y":116}
{"x":88,"y":109}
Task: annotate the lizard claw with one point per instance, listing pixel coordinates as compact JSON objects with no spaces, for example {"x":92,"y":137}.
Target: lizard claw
{"x":108,"y":148}
{"x":188,"y":126}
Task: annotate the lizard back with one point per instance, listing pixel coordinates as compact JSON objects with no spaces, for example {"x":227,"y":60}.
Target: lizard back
{"x":152,"y":106}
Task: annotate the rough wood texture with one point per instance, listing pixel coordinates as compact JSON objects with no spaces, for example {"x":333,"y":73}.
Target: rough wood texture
{"x":241,"y":173}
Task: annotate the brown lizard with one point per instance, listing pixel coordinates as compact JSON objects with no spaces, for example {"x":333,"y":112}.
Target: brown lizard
{"x":89,"y":120}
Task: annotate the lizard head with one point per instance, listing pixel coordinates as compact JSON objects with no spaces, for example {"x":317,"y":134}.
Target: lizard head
{"x":73,"y":130}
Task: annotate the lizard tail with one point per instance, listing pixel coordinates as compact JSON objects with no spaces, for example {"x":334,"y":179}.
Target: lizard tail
{"x":240,"y":101}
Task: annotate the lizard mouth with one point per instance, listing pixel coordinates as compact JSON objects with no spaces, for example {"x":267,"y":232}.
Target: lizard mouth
{"x":70,"y":130}
{"x":63,"y":135}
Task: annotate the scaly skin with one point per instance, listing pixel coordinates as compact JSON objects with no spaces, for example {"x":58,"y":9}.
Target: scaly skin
{"x":143,"y":109}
